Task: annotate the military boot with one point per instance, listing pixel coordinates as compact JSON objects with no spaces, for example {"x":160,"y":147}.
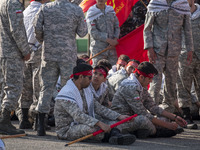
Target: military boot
{"x":117,"y":138}
{"x":41,"y":125}
{"x":24,"y":122}
{"x":35,"y":124}
{"x":5,"y":124}
{"x":187,"y":116}
{"x":164,"y":132}
{"x":141,"y":133}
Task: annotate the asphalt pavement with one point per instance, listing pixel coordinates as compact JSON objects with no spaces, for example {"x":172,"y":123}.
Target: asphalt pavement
{"x":188,"y":140}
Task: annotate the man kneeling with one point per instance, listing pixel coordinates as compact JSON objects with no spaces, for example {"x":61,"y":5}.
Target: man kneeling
{"x":75,"y":108}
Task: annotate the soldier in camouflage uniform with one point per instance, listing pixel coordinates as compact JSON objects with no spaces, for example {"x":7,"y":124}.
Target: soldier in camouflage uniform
{"x":135,"y":19}
{"x":132,"y":98}
{"x":103,"y":27}
{"x":74,"y":111}
{"x":14,"y":50}
{"x":190,"y":73}
{"x":30,"y":93}
{"x":116,"y":79}
{"x":99,"y":88}
{"x":164,"y":23}
{"x":56,"y":25}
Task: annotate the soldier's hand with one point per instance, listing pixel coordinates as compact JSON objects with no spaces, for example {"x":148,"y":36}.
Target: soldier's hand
{"x":27,"y":57}
{"x":180,"y":121}
{"x":103,"y":126}
{"x":152,"y":55}
{"x":189,"y":57}
{"x":112,"y":42}
{"x":172,"y":125}
{"x":122,"y":117}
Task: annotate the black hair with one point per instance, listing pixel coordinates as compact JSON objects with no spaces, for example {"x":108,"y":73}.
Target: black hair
{"x":147,"y":68}
{"x":84,"y":56}
{"x":80,"y":68}
{"x":124,"y":57}
{"x":101,"y":67}
{"x":105,"y":63}
{"x":138,"y":62}
{"x":80,"y":61}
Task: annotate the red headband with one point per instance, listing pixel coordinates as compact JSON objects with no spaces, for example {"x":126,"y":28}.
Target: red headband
{"x":121,"y":62}
{"x":101,"y":71}
{"x":31,"y":1}
{"x":132,"y":63}
{"x":84,"y":73}
{"x":150,"y":75}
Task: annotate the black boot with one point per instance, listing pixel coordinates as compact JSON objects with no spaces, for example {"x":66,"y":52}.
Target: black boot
{"x":24,"y":122}
{"x":117,"y":138}
{"x":187,"y":116}
{"x":35,"y":124}
{"x":5,"y":124}
{"x":41,"y":126}
{"x":141,"y":133}
{"x":163,"y":132}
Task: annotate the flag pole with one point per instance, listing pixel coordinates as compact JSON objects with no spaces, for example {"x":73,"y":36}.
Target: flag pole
{"x":143,"y":3}
{"x":100,"y":131}
{"x":99,"y":53}
{"x":12,"y":136}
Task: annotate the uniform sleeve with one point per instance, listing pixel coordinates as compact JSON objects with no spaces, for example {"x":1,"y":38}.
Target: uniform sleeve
{"x":148,"y":36}
{"x":188,"y":33}
{"x":150,"y":104}
{"x":82,"y":29}
{"x":132,"y":97}
{"x":116,"y":27}
{"x":78,"y":116}
{"x":38,"y":24}
{"x":17,"y":28}
{"x":104,"y":111}
{"x":93,"y":31}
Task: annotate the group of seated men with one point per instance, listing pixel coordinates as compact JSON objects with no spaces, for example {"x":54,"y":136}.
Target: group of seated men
{"x":95,"y":98}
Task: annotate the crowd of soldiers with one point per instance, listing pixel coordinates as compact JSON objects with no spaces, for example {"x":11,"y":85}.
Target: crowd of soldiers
{"x":41,"y":76}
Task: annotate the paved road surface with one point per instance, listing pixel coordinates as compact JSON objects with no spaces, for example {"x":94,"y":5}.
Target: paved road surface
{"x":188,"y":140}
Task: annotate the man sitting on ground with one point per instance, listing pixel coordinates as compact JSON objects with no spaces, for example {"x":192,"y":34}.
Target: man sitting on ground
{"x":121,"y":62}
{"x":74,"y":111}
{"x":132,"y":98}
{"x":98,"y":86}
{"x":116,"y":79}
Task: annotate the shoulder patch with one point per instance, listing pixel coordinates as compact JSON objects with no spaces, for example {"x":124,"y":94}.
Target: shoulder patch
{"x":18,"y":11}
{"x":137,"y":97}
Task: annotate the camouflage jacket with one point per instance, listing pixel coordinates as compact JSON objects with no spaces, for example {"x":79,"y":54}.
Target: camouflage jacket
{"x":13,"y":39}
{"x":163,"y":29}
{"x":68,"y":112}
{"x":116,"y":79}
{"x":131,"y":98}
{"x":56,"y":25}
{"x":105,"y":26}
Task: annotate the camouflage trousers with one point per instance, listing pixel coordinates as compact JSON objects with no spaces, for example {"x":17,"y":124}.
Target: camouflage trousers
{"x":169,"y":67}
{"x":1,"y":88}
{"x":80,"y":130}
{"x":110,"y":55}
{"x":187,"y":75}
{"x":49,"y":74}
{"x":31,"y":87}
{"x":12,"y":74}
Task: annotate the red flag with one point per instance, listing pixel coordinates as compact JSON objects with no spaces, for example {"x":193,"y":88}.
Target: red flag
{"x":133,"y":45}
{"x":121,"y":7}
{"x":86,"y":4}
